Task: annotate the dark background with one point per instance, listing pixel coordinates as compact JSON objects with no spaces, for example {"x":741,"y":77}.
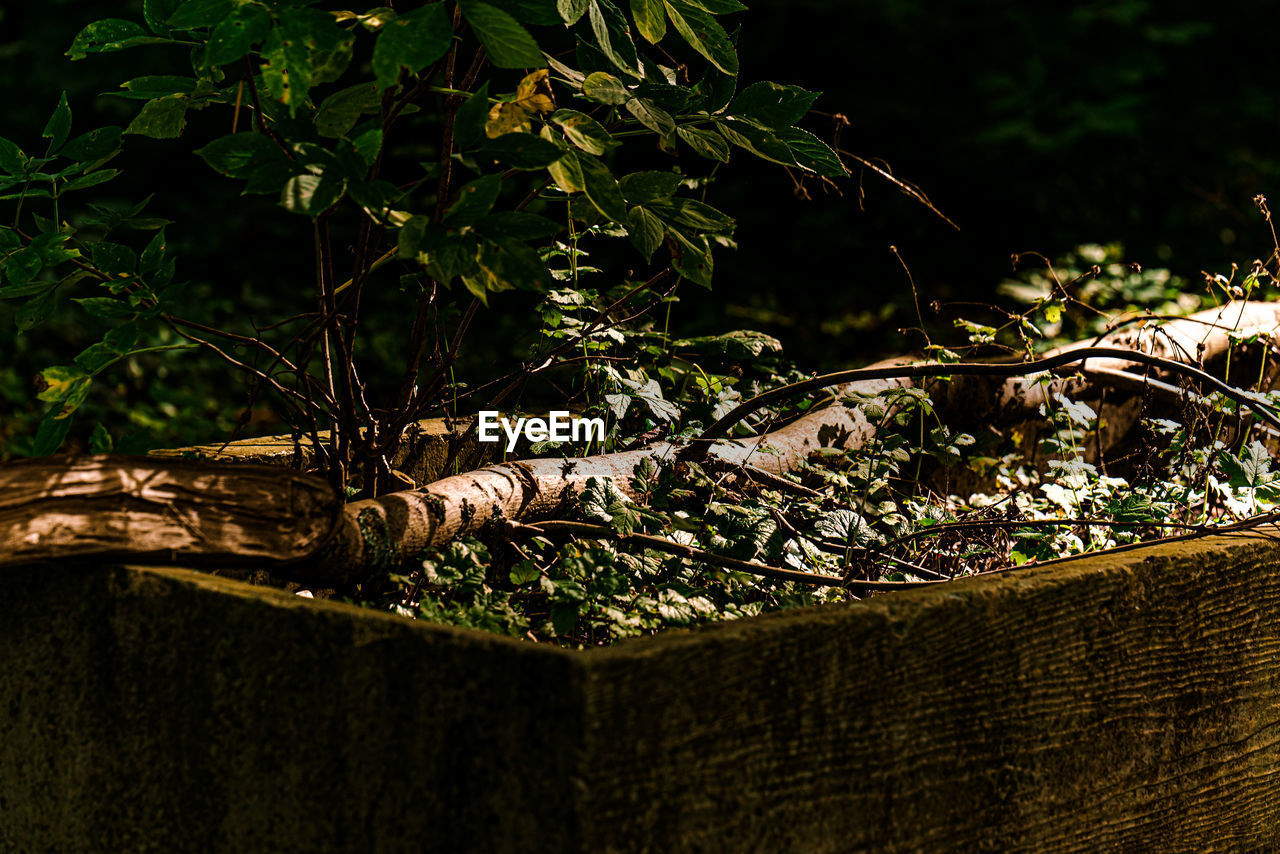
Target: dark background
{"x":1033,"y":127}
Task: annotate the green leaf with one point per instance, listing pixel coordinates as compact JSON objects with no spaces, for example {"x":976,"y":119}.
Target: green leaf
{"x":645,"y":230}
{"x":51,"y":433}
{"x":524,"y":572}
{"x":613,"y":37}
{"x":200,"y":13}
{"x":507,"y":264}
{"x":156,"y":86}
{"x":59,"y":125}
{"x":708,"y":144}
{"x":720,"y":7}
{"x":602,"y":501}
{"x":53,"y":249}
{"x":100,"y":440}
{"x":542,"y":13}
{"x":35,"y":311}
{"x":412,"y":42}
{"x":474,"y":201}
{"x":236,"y":34}
{"x":468,"y":124}
{"x":114,"y":259}
{"x":604,"y":88}
{"x":773,"y":104}
{"x":22,"y":266}
{"x":93,"y":179}
{"x":163,"y":118}
{"x":602,"y":188}
{"x":12,"y":160}
{"x":9,"y":241}
{"x":107,"y":308}
{"x":340,"y":112}
{"x":704,"y":34}
{"x":110,"y":34}
{"x":122,"y":338}
{"x":522,"y":151}
{"x":571,"y":10}
{"x":157,"y":12}
{"x":643,"y":187}
{"x":692,"y":258}
{"x":812,"y":153}
{"x":584,"y":131}
{"x":305,"y":48}
{"x":651,"y":19}
{"x":740,"y":344}
{"x":153,"y":255}
{"x":652,"y":116}
{"x":236,"y":155}
{"x":311,"y":195}
{"x":96,"y":356}
{"x":693,"y":214}
{"x":507,"y":42}
{"x":455,"y":257}
{"x":94,"y":145}
{"x":53,"y":384}
{"x":759,"y":140}
{"x":516,"y":225}
{"x":567,"y":172}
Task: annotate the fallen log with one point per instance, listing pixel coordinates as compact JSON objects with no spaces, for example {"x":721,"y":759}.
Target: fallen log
{"x":156,"y":510}
{"x":381,"y":533}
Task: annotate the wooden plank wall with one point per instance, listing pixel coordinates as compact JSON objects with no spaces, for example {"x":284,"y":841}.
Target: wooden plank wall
{"x":1123,"y":703}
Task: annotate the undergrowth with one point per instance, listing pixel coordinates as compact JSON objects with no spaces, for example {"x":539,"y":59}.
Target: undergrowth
{"x":923,"y":502}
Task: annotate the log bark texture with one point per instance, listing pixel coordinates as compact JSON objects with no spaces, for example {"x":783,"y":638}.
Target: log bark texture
{"x":160,"y":510}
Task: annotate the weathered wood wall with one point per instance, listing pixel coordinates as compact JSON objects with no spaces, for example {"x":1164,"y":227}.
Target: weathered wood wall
{"x":1109,"y":704}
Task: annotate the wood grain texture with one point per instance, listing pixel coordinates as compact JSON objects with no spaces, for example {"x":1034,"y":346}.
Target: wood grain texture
{"x":1127,"y":703}
{"x":1113,"y":704}
{"x":152,"y":509}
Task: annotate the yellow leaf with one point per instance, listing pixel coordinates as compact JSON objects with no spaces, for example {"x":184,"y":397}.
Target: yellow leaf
{"x":533,"y":95}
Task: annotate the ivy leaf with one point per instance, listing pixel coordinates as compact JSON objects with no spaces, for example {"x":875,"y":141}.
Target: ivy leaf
{"x":475,"y":199}
{"x":533,"y":95}
{"x":59,"y":125}
{"x":507,"y":42}
{"x":602,"y":188}
{"x":704,"y":34}
{"x":645,"y":230}
{"x":613,"y":36}
{"x":583,"y":131}
{"x":412,"y":42}
{"x":110,"y":34}
{"x":845,"y":526}
{"x":604,"y":88}
{"x":236,"y":34}
{"x":651,"y":19}
{"x":708,"y":144}
{"x":523,"y":573}
{"x":200,"y":13}
{"x":601,"y":501}
{"x":812,"y":153}
{"x":773,"y":104}
{"x":94,"y":145}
